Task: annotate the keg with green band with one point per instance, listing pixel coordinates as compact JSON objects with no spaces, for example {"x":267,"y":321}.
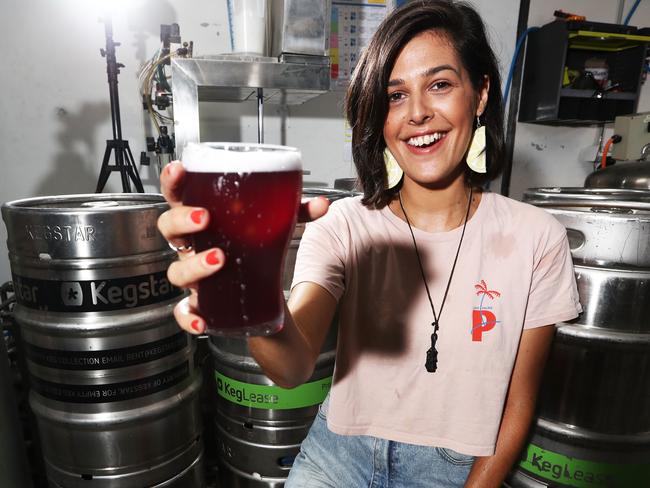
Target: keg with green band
{"x":271,"y":396}
{"x":569,"y":471}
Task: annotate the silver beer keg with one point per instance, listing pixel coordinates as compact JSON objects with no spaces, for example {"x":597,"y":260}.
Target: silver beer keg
{"x":290,"y":260}
{"x":259,"y":425}
{"x":14,"y":465}
{"x":112,"y":378}
{"x":191,"y":477}
{"x":593,"y":423}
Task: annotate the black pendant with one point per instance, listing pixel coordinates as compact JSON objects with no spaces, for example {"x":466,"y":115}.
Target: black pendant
{"x":432,"y":354}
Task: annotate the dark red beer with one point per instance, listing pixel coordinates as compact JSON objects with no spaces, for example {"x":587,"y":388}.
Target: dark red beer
{"x":252,"y":218}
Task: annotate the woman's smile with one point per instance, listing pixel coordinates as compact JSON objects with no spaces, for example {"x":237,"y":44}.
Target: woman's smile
{"x":427,"y":143}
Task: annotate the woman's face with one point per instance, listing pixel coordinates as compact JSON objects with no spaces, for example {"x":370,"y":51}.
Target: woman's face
{"x":432,"y":110}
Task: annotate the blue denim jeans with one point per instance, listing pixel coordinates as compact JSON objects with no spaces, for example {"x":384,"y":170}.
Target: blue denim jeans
{"x":329,"y":460}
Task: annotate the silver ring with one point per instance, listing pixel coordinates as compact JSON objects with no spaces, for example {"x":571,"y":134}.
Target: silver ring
{"x":187,"y":248}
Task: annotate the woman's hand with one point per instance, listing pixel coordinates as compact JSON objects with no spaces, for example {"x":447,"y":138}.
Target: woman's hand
{"x":178,"y":223}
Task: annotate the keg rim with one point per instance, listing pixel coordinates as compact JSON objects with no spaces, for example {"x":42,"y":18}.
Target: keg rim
{"x":566,"y":197}
{"x":329,"y":193}
{"x":565,"y":190}
{"x":48,"y":204}
{"x":550,"y":428}
{"x":613,"y":337}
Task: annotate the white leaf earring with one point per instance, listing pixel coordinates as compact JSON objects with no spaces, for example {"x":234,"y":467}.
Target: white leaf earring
{"x":476,"y":153}
{"x":393,"y":171}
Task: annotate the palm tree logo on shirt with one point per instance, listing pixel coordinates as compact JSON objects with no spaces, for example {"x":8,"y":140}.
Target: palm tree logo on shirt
{"x":483,"y":320}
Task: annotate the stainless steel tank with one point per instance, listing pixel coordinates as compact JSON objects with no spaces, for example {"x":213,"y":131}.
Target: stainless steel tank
{"x":625,"y":174}
{"x":593,"y":423}
{"x":112,"y":379}
{"x":259,"y":425}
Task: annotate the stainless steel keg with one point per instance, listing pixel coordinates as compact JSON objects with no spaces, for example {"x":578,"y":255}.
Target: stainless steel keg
{"x":113,"y":384}
{"x":259,"y":425}
{"x":13,"y":457}
{"x":593,"y":423}
{"x":290,"y":261}
{"x":192,"y":476}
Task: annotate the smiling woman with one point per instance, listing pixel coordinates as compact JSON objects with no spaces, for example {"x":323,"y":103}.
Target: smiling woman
{"x":458,"y":62}
{"x":445,"y":293}
{"x":431,"y":110}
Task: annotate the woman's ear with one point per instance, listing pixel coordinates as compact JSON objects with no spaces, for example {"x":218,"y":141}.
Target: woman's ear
{"x":483,"y":95}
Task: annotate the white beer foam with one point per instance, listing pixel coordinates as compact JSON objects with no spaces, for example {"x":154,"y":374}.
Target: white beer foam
{"x":209,"y":157}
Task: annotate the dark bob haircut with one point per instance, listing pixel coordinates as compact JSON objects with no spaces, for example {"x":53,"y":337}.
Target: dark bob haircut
{"x":367,"y":99}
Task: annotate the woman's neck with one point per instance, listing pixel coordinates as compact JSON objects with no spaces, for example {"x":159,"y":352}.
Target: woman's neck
{"x":436,"y":210}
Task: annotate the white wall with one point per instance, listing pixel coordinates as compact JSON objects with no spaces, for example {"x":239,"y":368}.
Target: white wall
{"x":54,"y":100}
{"x":54,"y":106}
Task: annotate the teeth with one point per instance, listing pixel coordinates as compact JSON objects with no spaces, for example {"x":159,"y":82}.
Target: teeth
{"x":427,"y":139}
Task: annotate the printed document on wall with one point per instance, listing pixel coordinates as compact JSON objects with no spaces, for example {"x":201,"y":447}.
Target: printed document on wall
{"x":353,"y":24}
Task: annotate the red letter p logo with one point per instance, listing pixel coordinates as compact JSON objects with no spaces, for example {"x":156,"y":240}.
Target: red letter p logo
{"x":482,"y":321}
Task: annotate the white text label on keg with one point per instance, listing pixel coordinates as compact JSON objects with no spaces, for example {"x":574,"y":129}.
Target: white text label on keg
{"x":66,"y":233}
{"x":94,"y":295}
{"x":107,"y":358}
{"x":112,"y":392}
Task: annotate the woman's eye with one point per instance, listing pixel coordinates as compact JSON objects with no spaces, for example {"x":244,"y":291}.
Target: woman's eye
{"x":395,"y":96}
{"x":440,"y":85}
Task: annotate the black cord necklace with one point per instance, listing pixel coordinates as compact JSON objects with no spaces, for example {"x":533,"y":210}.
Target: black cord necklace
{"x":431,"y":363}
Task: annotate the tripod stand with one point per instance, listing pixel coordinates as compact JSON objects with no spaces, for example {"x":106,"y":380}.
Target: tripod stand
{"x":124,"y":162}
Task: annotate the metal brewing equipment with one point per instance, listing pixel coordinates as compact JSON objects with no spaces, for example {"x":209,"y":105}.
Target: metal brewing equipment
{"x":300,"y":27}
{"x":113,"y":384}
{"x":259,"y":425}
{"x":593,"y":424}
{"x":633,"y":175}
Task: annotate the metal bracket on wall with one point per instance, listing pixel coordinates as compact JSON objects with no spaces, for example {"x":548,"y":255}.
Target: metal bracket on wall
{"x":237,"y":79}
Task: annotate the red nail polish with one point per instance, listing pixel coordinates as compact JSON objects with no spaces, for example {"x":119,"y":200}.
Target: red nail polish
{"x":196,"y":325}
{"x":196,"y":216}
{"x":212,"y":258}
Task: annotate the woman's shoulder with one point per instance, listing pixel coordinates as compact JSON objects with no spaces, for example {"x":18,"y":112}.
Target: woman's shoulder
{"x":347,"y":221}
{"x":524,"y":217}
{"x":346,"y":213}
{"x":350,"y":219}
{"x":351,"y":208}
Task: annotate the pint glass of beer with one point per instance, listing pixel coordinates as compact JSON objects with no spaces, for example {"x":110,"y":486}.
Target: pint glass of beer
{"x":252,"y":192}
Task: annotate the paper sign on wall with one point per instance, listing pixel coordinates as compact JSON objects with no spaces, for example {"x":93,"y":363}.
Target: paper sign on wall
{"x":353,"y":24}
